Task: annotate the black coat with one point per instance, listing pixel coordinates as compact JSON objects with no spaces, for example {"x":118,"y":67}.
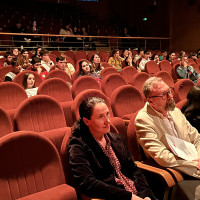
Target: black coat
{"x":93,"y":173}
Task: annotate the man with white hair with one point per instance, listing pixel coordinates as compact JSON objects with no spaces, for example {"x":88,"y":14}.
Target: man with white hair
{"x":161,"y":127}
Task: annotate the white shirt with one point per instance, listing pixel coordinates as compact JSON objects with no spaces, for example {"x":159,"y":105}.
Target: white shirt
{"x":31,"y":92}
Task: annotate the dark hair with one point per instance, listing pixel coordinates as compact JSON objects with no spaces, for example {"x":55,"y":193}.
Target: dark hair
{"x":35,"y":60}
{"x":99,"y":65}
{"x":24,"y":80}
{"x":43,"y":52}
{"x":17,"y":61}
{"x":60,"y":58}
{"x":153,"y":57}
{"x":81,"y":72}
{"x":114,"y":52}
{"x":8,"y":53}
{"x":86,"y":110}
{"x":139,"y":50}
{"x":23,"y":50}
{"x":168,"y":55}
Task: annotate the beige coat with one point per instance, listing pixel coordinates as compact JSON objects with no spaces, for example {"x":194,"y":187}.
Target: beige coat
{"x":151,"y":129}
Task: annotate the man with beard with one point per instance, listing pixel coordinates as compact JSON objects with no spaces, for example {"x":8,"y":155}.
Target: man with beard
{"x":160,"y":118}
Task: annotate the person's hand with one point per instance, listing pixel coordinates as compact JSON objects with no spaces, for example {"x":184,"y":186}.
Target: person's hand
{"x":134,"y":197}
{"x":39,"y":69}
{"x":185,"y":64}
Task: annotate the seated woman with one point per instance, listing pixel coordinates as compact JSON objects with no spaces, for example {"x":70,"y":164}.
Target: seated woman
{"x":96,"y":64}
{"x":191,"y":109}
{"x":28,"y":83}
{"x":85,"y":69}
{"x":99,"y":160}
{"x":127,"y":62}
{"x":116,"y":60}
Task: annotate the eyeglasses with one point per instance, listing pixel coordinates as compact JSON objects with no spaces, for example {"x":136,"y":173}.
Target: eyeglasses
{"x":165,"y":95}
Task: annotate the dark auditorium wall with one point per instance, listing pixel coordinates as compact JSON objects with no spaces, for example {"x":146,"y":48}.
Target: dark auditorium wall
{"x":185,"y":25}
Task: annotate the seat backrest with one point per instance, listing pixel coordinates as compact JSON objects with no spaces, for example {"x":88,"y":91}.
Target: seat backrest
{"x":71,"y":55}
{"x":80,"y":55}
{"x":128,"y":72}
{"x":85,"y":94}
{"x":133,"y":144}
{"x":56,"y":52}
{"x":181,"y":103}
{"x":165,"y":66}
{"x":139,"y":79}
{"x":126,"y":100}
{"x":58,"y":74}
{"x":56,"y":88}
{"x":19,"y":77}
{"x":198,"y":61}
{"x":4,"y":70}
{"x":83,"y":83}
{"x":105,"y":64}
{"x":166,"y":77}
{"x":6,"y":125}
{"x":151,"y":67}
{"x":31,"y":164}
{"x":11,"y":95}
{"x":191,"y":61}
{"x":181,"y":89}
{"x":107,"y":71}
{"x":174,"y":73}
{"x":174,"y":62}
{"x":39,"y":113}
{"x":110,"y":83}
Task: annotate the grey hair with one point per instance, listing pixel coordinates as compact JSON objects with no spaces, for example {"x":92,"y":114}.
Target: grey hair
{"x":149,"y":84}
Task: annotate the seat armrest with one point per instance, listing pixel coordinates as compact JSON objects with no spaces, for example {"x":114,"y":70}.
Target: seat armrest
{"x":61,"y":192}
{"x":166,"y":176}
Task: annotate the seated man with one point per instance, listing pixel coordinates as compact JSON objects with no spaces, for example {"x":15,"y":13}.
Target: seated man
{"x":159,"y":119}
{"x":144,"y":60}
{"x":187,"y":71}
{"x":46,"y":62}
{"x":61,"y":63}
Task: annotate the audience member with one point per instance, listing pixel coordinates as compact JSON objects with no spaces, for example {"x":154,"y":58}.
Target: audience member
{"x":99,"y":160}
{"x":25,"y":56}
{"x":37,"y":52}
{"x":46,"y":62}
{"x":127,"y":62}
{"x":61,"y":63}
{"x":125,"y":54}
{"x":15,"y":52}
{"x":171,"y":57}
{"x":191,"y":109}
{"x":115,"y":60}
{"x":96,"y":64}
{"x":8,"y":57}
{"x":35,"y":30}
{"x":139,"y":55}
{"x":144,"y":60}
{"x":85,"y":69}
{"x":160,"y":120}
{"x":155,"y":58}
{"x":17,"y":64}
{"x":28,"y":83}
{"x":36,"y":66}
{"x":193,"y":56}
{"x":181,"y":54}
{"x":187,"y":71}
{"x":163,"y":56}
{"x":18,"y":39}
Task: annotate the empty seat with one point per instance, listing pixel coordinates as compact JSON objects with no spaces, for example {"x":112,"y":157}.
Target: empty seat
{"x":56,"y":53}
{"x":111,"y":82}
{"x":58,"y":74}
{"x":107,"y":71}
{"x":59,"y":90}
{"x":35,"y":170}
{"x":6,"y":125}
{"x":166,"y":77}
{"x":152,"y":67}
{"x":165,"y":66}
{"x":139,"y":79}
{"x":4,"y":70}
{"x":125,"y":101}
{"x":84,"y":83}
{"x":128,"y":72}
{"x":181,"y":89}
{"x":11,"y":95}
{"x":19,"y":77}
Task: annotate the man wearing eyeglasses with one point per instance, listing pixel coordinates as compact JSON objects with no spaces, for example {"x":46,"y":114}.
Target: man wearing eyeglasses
{"x":158,"y":121}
